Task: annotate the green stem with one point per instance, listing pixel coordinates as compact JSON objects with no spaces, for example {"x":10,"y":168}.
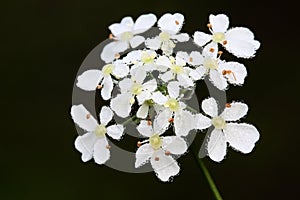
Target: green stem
{"x":191,"y":109}
{"x":208,"y":177}
{"x":129,"y":120}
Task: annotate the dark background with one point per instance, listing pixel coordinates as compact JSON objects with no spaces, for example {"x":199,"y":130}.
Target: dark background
{"x":42,"y":46}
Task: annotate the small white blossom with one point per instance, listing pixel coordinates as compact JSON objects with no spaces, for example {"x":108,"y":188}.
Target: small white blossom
{"x":170,"y":25}
{"x":239,"y":41}
{"x":125,"y":35}
{"x":158,"y":150}
{"x":94,"y":144}
{"x":240,"y":136}
{"x":90,"y":79}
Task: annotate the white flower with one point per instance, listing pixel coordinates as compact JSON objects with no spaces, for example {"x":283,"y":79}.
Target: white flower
{"x":131,"y":88}
{"x":125,"y":35}
{"x":170,"y":25}
{"x":94,"y":144}
{"x":158,"y":150}
{"x":241,"y":137}
{"x":220,"y":72}
{"x":239,"y":41}
{"x":173,"y":111}
{"x":176,"y":70}
{"x":90,"y":79}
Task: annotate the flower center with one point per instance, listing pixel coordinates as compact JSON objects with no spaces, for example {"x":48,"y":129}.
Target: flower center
{"x":136,"y":89}
{"x":210,"y":63}
{"x":147,"y":58}
{"x":164,"y":36}
{"x":176,"y":69}
{"x":155,"y":141}
{"x":100,"y":130}
{"x":219,"y":122}
{"x":149,"y":102}
{"x":126,"y":36}
{"x":107,"y":69}
{"x":218,"y":37}
{"x":172,"y":104}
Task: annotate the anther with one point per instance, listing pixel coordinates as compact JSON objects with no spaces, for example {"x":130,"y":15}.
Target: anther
{"x":211,"y":50}
{"x":191,"y":59}
{"x":156,"y":158}
{"x":209,"y":26}
{"x":149,"y":122}
{"x":138,"y":144}
{"x":167,"y":153}
{"x":220,"y":53}
{"x":99,"y":87}
{"x":108,"y":146}
{"x":117,"y":55}
{"x":171,"y":120}
{"x":176,"y":22}
{"x":224,"y":42}
{"x":225,"y":72}
{"x":88,"y":116}
{"x":111,"y":36}
{"x":227,"y":105}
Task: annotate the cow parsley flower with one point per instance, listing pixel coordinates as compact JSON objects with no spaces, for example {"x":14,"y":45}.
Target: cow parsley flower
{"x":170,"y":25}
{"x":90,"y":79}
{"x":125,"y":35}
{"x":158,"y":150}
{"x":94,"y":144}
{"x":239,"y":41}
{"x":240,"y":136}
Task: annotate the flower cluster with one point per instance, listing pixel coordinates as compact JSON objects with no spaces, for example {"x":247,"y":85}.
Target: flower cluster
{"x":151,"y":83}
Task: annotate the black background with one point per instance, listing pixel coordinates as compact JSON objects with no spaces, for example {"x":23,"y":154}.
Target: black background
{"x":42,"y":46}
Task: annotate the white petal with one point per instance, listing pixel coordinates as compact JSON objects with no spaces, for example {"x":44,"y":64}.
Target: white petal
{"x":218,"y":79}
{"x":217,"y":145}
{"x":171,"y":23}
{"x":184,"y":80}
{"x":219,"y":23}
{"x":195,"y":58}
{"x":198,"y":73}
{"x":143,"y":111}
{"x":143,"y":154}
{"x":117,"y":29}
{"x":127,"y":21}
{"x":138,"y":74}
{"x":164,"y":61}
{"x":136,"y":41}
{"x":153,"y":43}
{"x":241,"y":43}
{"x":159,"y":98}
{"x":176,"y":145}
{"x":89,"y":80}
{"x":145,"y":95}
{"x":121,"y":104}
{"x":180,"y":61}
{"x":106,"y":115}
{"x":115,"y":131}
{"x":236,"y":111}
{"x":165,"y":166}
{"x":184,"y":122}
{"x":173,"y":89}
{"x":85,"y":145}
{"x":183,"y":55}
{"x":108,"y":86}
{"x":210,"y":107}
{"x":83,"y":118}
{"x":111,"y":49}
{"x":238,"y":72}
{"x":150,"y":85}
{"x":201,"y":38}
{"x":120,"y":70}
{"x":125,"y":85}
{"x":182,"y":37}
{"x":161,"y":122}
{"x":145,"y":129}
{"x":132,"y":57}
{"x":144,"y":23}
{"x":202,"y":122}
{"x":241,"y":137}
{"x":207,"y":50}
{"x":101,"y":152}
{"x":167,"y":76}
